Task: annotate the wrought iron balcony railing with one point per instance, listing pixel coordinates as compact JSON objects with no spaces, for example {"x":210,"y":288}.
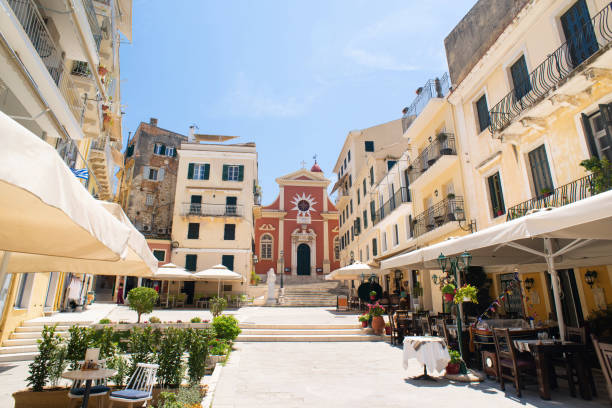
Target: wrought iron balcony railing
{"x":577,"y":190}
{"x":90,"y":10}
{"x":434,"y":88}
{"x":81,"y":69}
{"x":444,"y":144}
{"x":595,"y":34}
{"x":447,"y":210}
{"x":33,"y":24}
{"x":212,"y":210}
{"x":400,"y":196}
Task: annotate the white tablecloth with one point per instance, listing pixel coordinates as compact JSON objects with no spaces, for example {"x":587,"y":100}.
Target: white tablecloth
{"x":427,"y":350}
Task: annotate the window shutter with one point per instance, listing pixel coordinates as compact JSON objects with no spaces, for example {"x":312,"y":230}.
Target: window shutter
{"x":410,"y":226}
{"x":206,"y":171}
{"x":145,"y":172}
{"x":160,"y":174}
{"x":372,"y":175}
{"x":224,"y":176}
{"x":174,"y":152}
{"x":191,"y":262}
{"x":228,"y":261}
{"x":240,"y":173}
{"x":190,"y":171}
{"x":588,"y":131}
{"x":374,"y":247}
{"x":606,"y":113}
{"x":162,"y":151}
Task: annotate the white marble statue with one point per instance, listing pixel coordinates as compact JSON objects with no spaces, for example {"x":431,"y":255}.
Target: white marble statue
{"x":271,"y":280}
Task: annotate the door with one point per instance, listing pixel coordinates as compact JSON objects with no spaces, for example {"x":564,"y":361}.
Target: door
{"x":579,"y":33}
{"x":230,"y":205}
{"x":303,"y":259}
{"x":188,"y":289}
{"x":540,"y":171}
{"x":513,"y":301}
{"x":196,"y":204}
{"x":570,"y":300}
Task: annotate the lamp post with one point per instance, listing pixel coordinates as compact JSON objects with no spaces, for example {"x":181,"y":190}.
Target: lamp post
{"x":452,"y":266}
{"x":282,"y":268}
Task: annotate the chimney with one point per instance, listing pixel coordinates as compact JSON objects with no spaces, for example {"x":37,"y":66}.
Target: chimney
{"x":192,"y":129}
{"x":153,"y":121}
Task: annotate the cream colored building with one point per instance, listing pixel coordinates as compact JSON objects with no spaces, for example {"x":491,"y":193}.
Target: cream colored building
{"x":59,"y":77}
{"x":213,"y":216}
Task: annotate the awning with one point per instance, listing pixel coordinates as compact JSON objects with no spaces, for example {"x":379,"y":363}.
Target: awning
{"x":170,"y":271}
{"x":339,"y":182}
{"x":578,"y":234}
{"x":353,"y":271}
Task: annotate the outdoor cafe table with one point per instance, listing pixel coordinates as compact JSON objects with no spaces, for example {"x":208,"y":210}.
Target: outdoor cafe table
{"x":542,"y":351}
{"x":88,"y":376}
{"x":429,"y":351}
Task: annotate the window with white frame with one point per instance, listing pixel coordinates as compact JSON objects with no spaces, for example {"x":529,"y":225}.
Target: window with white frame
{"x":159,"y":148}
{"x":200,"y":171}
{"x":153,"y":173}
{"x":150,"y":199}
{"x":266,"y":243}
{"x":170,"y":151}
{"x":408,"y":222}
{"x":384,"y":241}
{"x":233,"y":173}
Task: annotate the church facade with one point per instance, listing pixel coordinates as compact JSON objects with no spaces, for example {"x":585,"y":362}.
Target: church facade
{"x":298,"y":232}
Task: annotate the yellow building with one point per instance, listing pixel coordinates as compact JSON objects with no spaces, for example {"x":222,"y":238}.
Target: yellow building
{"x":213,"y":218}
{"x":59,"y":77}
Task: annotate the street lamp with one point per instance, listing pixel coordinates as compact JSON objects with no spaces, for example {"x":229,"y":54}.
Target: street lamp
{"x":452,"y":266}
{"x":282,"y":268}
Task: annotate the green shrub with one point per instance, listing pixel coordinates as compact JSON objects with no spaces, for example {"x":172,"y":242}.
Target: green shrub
{"x":143,"y":345}
{"x":154,"y":319}
{"x":104,"y":339}
{"x":169,"y":356}
{"x":196,"y":320}
{"x":217,"y":305}
{"x":198,"y":340}
{"x":226,"y":327}
{"x":185,"y":397}
{"x":602,"y":174}
{"x":142,"y":300}
{"x":40,"y":368}
{"x":57,"y":365}
{"x":104,"y":321}
{"x":78,"y":342}
{"x":119,"y":363}
{"x":455,"y":357}
{"x":218,"y":347}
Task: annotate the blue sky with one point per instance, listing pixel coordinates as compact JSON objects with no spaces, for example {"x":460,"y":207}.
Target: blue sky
{"x":293,"y":77}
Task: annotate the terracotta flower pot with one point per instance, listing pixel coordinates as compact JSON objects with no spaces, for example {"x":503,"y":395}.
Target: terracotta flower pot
{"x":452,"y":368}
{"x":378,"y":324}
{"x":388,"y":330}
{"x":102,"y":71}
{"x":364,"y":324}
{"x":449,"y":297}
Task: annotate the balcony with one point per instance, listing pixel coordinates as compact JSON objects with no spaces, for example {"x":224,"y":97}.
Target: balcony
{"x":93,"y":22}
{"x":50,"y":54}
{"x":442,"y":149}
{"x":342,"y":197}
{"x":399,"y":197}
{"x":577,"y":190}
{"x":546,"y":79}
{"x":434,"y":88}
{"x":211,"y":210}
{"x":101,"y":161}
{"x":444,"y":212}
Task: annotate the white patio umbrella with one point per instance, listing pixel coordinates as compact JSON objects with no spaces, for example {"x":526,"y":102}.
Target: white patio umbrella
{"x":578,"y":234}
{"x":171,"y":271}
{"x":138,"y":260}
{"x":353,"y":271}
{"x":44,"y":209}
{"x":218,"y":273}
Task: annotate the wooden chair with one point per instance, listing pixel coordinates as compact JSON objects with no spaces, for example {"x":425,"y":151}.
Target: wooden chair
{"x":342,"y":303}
{"x":180,"y":300}
{"x":98,"y":388}
{"x":402,"y":321}
{"x":512,"y":366}
{"x":425,"y":325}
{"x":139,"y":388}
{"x":577,"y":335}
{"x":604,"y":355}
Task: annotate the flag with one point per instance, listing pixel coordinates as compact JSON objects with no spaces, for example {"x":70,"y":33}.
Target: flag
{"x":81,"y":173}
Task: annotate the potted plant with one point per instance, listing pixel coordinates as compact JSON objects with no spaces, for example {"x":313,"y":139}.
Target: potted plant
{"x":364,"y":319}
{"x":373,"y":295}
{"x":102,"y":70}
{"x":217,"y":350}
{"x":378,"y":322}
{"x":455,"y":362}
{"x":499,"y":212}
{"x":466,"y":293}
{"x":448,"y":291}
{"x":450,"y":196}
{"x":601,"y":171}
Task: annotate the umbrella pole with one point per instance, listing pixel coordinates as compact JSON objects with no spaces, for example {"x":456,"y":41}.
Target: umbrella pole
{"x":3,"y":268}
{"x":218,"y":287}
{"x":554,"y":277}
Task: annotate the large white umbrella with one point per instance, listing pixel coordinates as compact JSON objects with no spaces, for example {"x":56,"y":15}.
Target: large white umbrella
{"x":353,"y":271}
{"x":578,"y":234}
{"x":171,"y":271}
{"x":138,"y":260}
{"x":44,"y":209}
{"x":218,"y":273}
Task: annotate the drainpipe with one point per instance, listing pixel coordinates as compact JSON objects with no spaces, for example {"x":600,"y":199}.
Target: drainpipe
{"x":90,"y":59}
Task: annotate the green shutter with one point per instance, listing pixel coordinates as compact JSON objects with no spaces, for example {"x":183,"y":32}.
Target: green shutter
{"x":190,"y":171}
{"x":163,"y":150}
{"x":174,"y":152}
{"x":225,"y":167}
{"x":240,"y":173}
{"x":206,"y":171}
{"x":374,"y":247}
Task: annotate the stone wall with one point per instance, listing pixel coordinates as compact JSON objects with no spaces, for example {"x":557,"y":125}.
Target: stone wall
{"x":154,"y":221}
{"x":476,"y":33}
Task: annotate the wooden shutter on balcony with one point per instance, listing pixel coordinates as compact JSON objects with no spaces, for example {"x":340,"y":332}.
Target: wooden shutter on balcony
{"x":374,"y":247}
{"x":191,"y":262}
{"x":225,"y":172}
{"x":373,"y":210}
{"x":206,"y":171}
{"x":605,"y":143}
{"x":240,"y":173}
{"x":190,"y":171}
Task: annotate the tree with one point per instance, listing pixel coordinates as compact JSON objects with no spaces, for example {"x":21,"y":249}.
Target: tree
{"x":142,"y":300}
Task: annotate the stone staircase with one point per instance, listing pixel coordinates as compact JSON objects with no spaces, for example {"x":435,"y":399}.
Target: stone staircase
{"x":304,"y":333}
{"x":321,"y":294}
{"x":22,"y":344}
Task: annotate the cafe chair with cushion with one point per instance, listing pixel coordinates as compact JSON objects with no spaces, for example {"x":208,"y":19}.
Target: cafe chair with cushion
{"x":604,"y":355}
{"x":512,"y":365}
{"x":139,"y":388}
{"x":98,"y":388}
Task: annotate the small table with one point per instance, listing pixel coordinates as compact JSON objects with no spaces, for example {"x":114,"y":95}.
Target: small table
{"x":429,"y":351}
{"x":542,"y":350}
{"x":88,"y":376}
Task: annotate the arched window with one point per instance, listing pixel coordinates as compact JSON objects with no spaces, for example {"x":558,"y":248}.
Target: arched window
{"x":336,"y":249}
{"x":266,"y":244}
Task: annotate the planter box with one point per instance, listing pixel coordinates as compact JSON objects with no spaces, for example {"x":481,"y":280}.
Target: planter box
{"x":161,"y":326}
{"x":212,"y":360}
{"x":46,"y":399}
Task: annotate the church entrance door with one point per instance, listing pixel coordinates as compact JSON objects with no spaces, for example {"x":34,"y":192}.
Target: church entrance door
{"x":303,"y":259}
